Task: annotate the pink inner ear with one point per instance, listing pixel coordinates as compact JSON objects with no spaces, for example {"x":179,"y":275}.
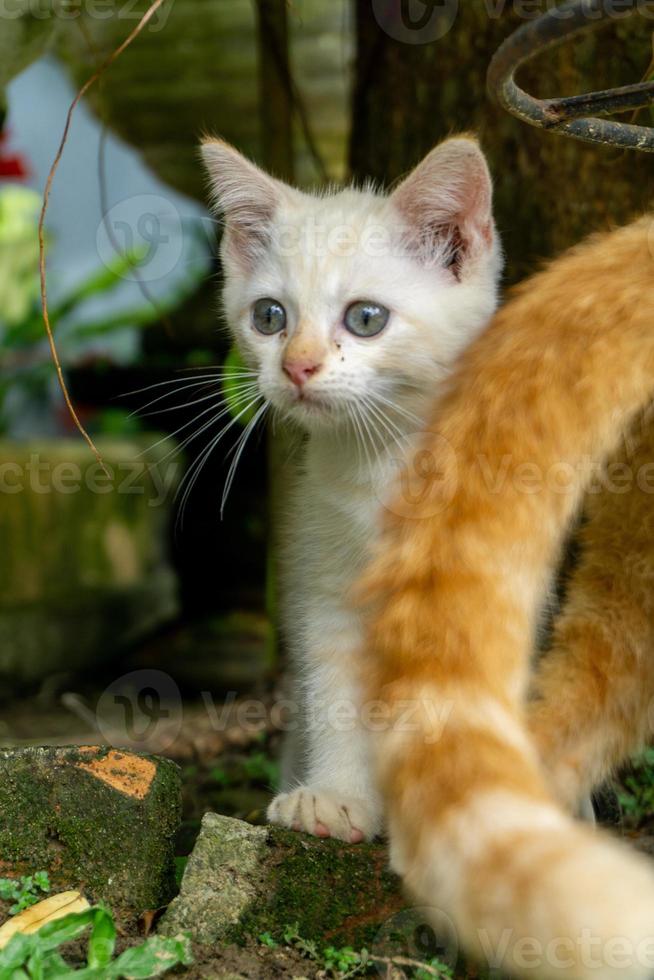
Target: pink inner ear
{"x":447,"y":203}
{"x":246,"y":196}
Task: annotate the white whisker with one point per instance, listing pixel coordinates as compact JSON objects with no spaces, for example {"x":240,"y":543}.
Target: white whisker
{"x":194,"y":471}
{"x":169,"y":394}
{"x":237,"y":449}
{"x":227,"y":409}
{"x":170,"y":381}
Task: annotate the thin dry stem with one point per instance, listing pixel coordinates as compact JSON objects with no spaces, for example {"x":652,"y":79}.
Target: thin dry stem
{"x":152,"y":9}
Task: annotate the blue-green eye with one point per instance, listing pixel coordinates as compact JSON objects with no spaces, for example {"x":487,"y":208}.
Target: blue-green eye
{"x":268,"y":316}
{"x":366,"y":319}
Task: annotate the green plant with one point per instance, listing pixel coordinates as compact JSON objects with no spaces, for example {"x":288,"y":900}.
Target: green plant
{"x":435,"y":968}
{"x":338,"y":963}
{"x":255,"y":768}
{"x":232,"y":387}
{"x":342,"y":963}
{"x":24,"y":891}
{"x":260,"y":768}
{"x":36,"y":956}
{"x":637,"y":795}
{"x":345,"y":962}
{"x":27,"y":364}
{"x":180,"y":868}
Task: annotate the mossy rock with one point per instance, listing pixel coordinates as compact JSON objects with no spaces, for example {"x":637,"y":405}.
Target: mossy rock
{"x":85,"y":571}
{"x":242,"y":880}
{"x":98,"y":820}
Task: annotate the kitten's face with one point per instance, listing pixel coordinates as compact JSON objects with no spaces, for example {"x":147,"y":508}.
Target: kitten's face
{"x":349,"y":303}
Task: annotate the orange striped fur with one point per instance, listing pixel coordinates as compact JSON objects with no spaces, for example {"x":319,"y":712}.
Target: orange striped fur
{"x":545,"y":394}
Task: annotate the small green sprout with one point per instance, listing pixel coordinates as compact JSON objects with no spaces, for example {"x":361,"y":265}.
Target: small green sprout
{"x":24,"y":891}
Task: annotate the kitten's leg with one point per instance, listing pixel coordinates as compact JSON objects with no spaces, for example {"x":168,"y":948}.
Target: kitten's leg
{"x":594,"y":690}
{"x":337,"y":797}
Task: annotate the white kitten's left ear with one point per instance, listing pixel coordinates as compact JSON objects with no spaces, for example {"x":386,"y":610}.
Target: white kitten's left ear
{"x":246,"y":196}
{"x":447,"y":204}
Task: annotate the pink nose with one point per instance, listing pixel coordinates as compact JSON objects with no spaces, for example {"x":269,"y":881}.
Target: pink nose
{"x":300,"y":371}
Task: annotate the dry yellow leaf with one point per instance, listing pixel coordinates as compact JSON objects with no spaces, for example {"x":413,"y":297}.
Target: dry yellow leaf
{"x":31,"y":919}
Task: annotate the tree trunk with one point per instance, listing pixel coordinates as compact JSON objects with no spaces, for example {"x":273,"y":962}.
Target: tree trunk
{"x":275,"y":99}
{"x":551,"y":191}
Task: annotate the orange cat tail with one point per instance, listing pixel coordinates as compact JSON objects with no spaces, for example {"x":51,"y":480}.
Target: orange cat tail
{"x":537,"y":400}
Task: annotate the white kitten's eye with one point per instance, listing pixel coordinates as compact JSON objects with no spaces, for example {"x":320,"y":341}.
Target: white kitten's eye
{"x":268,"y":316}
{"x":366,"y":319}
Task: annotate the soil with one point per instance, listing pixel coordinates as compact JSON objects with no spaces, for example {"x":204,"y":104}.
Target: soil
{"x":229,"y":771}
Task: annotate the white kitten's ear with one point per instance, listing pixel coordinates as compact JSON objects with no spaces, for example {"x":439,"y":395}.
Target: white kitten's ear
{"x":246,"y":196}
{"x":447,"y":204}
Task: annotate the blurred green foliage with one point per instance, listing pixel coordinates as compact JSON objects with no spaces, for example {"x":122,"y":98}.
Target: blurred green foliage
{"x":26,"y":359}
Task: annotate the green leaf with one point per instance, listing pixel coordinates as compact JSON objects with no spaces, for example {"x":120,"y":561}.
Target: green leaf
{"x":70,"y":927}
{"x":16,"y":954}
{"x":154,"y":957}
{"x":9,"y":889}
{"x":102,"y":281}
{"x":42,"y":880}
{"x":180,"y":868}
{"x":37,"y":952}
{"x":232,"y":387}
{"x":103,"y":940}
{"x":54,"y":966}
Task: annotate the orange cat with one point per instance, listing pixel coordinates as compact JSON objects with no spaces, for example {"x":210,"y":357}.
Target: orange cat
{"x":477,"y":823}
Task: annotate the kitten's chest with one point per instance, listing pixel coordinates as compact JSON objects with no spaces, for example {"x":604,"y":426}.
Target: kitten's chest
{"x":345,"y":501}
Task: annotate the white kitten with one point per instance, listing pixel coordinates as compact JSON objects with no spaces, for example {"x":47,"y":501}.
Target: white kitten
{"x":351,"y":307}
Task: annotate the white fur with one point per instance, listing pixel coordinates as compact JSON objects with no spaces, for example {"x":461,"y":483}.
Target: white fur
{"x":317,"y":254}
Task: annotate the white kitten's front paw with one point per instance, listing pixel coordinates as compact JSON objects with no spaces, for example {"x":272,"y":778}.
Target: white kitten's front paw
{"x":324,"y":813}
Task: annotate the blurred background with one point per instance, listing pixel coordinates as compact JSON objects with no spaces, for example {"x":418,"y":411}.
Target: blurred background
{"x":125,"y":616}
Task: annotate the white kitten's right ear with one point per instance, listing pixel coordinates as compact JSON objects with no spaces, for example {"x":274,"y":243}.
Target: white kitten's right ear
{"x":246,"y":196}
{"x":447,"y":203}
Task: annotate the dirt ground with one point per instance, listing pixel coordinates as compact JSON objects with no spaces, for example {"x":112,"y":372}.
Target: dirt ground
{"x":231,"y":769}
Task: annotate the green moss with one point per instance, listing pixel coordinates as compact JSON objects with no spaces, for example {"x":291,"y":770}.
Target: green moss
{"x":336,"y":893}
{"x":87,"y":834}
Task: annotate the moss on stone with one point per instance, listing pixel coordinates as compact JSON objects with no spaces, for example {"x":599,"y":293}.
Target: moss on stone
{"x":336,"y":892}
{"x":87,"y":834}
{"x":241,"y":881}
{"x":85,"y":570}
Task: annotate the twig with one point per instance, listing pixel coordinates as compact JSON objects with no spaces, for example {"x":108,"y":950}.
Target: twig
{"x":152,"y":9}
{"x":391,"y":961}
{"x":102,"y":185}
